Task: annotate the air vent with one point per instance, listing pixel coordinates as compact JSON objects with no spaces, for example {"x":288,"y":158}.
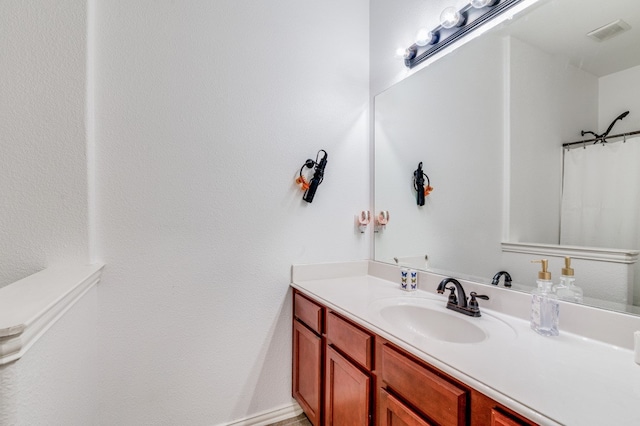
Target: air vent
{"x":609,"y":31}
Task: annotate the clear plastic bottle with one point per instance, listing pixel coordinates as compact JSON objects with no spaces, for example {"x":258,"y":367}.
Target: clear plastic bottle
{"x":567,"y":289}
{"x":545,"y":309}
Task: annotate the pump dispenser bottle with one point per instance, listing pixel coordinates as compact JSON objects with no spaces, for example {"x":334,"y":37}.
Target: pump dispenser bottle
{"x":545,"y":310}
{"x":567,"y":289}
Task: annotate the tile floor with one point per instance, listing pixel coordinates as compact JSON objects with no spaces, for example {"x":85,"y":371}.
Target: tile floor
{"x":300,"y":420}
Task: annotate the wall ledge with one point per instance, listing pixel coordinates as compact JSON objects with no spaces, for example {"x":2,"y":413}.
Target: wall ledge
{"x":30,"y":306}
{"x":575,"y":252}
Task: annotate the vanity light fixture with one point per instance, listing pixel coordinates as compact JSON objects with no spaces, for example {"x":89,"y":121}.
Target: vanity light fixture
{"x":454,"y":24}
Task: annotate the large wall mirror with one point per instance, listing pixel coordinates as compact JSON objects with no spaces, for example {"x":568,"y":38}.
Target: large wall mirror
{"x":488,"y":122}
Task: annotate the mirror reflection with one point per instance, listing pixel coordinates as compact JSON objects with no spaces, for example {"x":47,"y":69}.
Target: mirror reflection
{"x":488,"y":123}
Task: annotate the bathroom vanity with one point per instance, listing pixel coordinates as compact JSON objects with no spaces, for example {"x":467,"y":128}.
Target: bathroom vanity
{"x":366,"y":352}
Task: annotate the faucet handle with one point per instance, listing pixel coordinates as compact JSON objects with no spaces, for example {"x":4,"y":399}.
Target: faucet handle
{"x":475,"y":295}
{"x":473,"y":303}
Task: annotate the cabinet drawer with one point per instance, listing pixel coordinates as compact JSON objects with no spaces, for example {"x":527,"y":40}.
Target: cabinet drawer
{"x":308,"y":312}
{"x":394,"y":413}
{"x":440,"y":400}
{"x":353,"y":341}
{"x":498,"y":418}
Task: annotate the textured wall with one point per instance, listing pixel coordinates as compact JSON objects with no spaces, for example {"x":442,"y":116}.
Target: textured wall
{"x":55,"y":382}
{"x":43,"y":213}
{"x":205,"y":112}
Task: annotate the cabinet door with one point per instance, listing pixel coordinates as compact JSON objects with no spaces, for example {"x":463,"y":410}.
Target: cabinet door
{"x":347,"y":399}
{"x":307,"y":371}
{"x":394,"y":413}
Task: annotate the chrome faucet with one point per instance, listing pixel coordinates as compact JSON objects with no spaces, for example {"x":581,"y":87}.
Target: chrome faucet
{"x":459,"y":303}
{"x":507,"y":278}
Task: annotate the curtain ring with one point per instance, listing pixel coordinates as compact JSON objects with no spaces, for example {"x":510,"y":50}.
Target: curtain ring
{"x":624,"y":138}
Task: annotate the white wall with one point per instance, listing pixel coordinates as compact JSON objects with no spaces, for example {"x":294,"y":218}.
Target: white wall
{"x":43,"y":214}
{"x":550,"y":101}
{"x":205,"y":112}
{"x":55,"y":382}
{"x":619,"y":92}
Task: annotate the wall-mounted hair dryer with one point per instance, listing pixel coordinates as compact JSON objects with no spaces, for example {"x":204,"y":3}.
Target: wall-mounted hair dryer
{"x":318,"y":175}
{"x":418,"y":185}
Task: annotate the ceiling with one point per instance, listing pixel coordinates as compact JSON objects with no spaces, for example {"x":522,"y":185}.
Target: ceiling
{"x":560,"y":27}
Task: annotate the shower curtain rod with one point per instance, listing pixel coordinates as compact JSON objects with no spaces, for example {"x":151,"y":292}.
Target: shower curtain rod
{"x":595,"y":140}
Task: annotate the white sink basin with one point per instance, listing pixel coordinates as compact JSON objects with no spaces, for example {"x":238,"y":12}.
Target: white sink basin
{"x":424,"y":318}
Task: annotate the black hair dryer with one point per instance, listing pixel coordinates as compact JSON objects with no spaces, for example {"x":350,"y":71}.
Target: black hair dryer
{"x":311,"y":187}
{"x":418,"y":185}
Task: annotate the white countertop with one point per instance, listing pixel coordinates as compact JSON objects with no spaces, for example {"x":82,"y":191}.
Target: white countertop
{"x":568,"y":379}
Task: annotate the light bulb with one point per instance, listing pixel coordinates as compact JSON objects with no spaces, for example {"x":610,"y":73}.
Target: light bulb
{"x":408,"y":53}
{"x":450,"y":17}
{"x":479,"y":4}
{"x":424,"y":37}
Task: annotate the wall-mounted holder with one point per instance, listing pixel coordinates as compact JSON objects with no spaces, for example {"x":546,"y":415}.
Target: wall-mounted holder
{"x":363,"y":220}
{"x":454,"y":24}
{"x":602,"y":138}
{"x":382,"y":219}
{"x":422,"y":191}
{"x":310,"y":187}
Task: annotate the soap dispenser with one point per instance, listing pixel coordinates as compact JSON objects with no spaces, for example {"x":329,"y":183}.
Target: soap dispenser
{"x":567,"y":289}
{"x":545,"y":310}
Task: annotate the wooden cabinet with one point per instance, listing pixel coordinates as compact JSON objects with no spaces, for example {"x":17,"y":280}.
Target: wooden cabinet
{"x":345,"y":375}
{"x":352,"y":340}
{"x":308,"y":349}
{"x":499,"y":418}
{"x":347,"y":392}
{"x":440,"y":400}
{"x":392,"y":412}
{"x":307,"y":371}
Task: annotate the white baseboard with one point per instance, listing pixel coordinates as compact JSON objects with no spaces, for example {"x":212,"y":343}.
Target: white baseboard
{"x":278,"y":414}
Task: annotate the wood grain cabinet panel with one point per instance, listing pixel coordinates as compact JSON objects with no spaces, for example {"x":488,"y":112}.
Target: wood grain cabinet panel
{"x":307,"y":371}
{"x":499,"y":418}
{"x":350,"y":339}
{"x":441,"y":401}
{"x":392,"y":412}
{"x":308,"y":312}
{"x":348,"y":392}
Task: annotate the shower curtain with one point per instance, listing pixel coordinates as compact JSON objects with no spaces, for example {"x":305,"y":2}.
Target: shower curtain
{"x":601,"y":204}
{"x":601,"y":196}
